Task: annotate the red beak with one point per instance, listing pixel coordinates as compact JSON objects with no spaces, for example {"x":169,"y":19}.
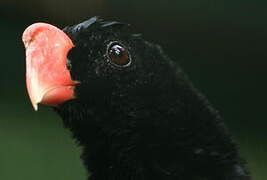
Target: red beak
{"x":47,"y":77}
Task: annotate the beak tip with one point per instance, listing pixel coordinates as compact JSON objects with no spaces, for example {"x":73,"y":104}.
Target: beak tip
{"x":35,"y":106}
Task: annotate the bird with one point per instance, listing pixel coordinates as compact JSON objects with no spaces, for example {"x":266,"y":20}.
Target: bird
{"x":129,"y":106}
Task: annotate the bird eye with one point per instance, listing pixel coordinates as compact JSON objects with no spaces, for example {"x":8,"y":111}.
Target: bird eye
{"x":118,"y":55}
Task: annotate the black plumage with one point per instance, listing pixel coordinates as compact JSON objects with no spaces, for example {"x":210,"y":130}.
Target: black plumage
{"x":143,"y":121}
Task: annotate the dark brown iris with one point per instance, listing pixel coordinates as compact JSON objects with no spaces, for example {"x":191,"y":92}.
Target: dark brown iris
{"x":118,"y":55}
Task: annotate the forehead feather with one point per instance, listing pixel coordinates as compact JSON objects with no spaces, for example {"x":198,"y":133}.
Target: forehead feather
{"x":97,"y":22}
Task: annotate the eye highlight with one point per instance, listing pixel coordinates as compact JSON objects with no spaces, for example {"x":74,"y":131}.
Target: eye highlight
{"x":118,"y":55}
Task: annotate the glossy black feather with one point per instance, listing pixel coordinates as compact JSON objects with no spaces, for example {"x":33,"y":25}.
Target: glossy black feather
{"x":145,"y":121}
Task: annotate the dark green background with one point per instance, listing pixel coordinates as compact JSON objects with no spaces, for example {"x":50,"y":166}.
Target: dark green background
{"x":220,"y":44}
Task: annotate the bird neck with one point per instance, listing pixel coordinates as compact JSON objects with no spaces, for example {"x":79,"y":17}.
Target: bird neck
{"x":159,"y":142}
{"x":106,"y":147}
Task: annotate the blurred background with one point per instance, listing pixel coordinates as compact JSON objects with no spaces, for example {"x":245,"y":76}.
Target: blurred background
{"x":221,"y":44}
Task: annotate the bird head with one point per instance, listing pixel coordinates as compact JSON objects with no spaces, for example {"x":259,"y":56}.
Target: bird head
{"x":95,"y":62}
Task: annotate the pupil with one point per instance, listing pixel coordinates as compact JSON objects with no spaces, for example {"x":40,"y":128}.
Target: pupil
{"x":116,"y":51}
